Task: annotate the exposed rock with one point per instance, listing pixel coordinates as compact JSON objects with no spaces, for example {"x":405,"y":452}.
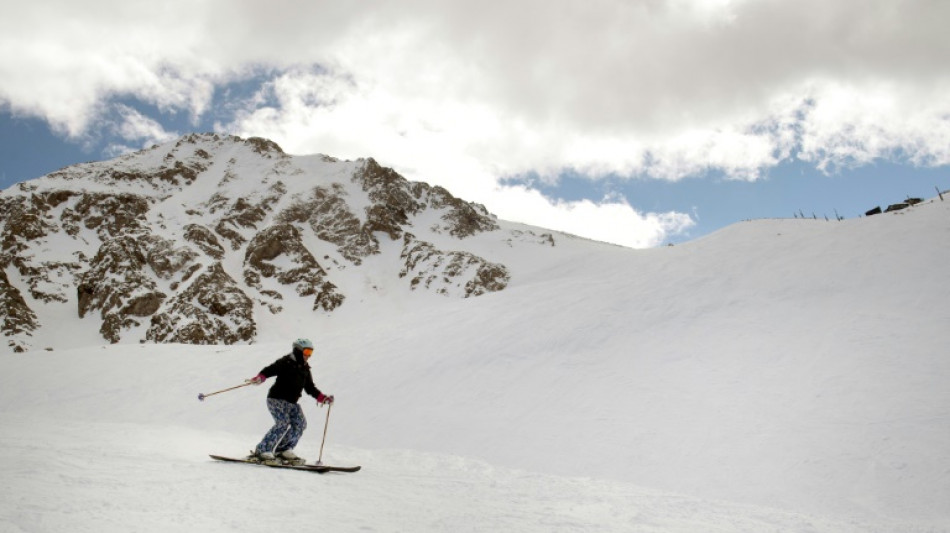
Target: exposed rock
{"x":278,"y":253}
{"x":205,"y":240}
{"x":395,"y":199}
{"x":108,"y":214}
{"x":243,"y":214}
{"x":226,"y":229}
{"x":386,"y":186}
{"x":546,"y":239}
{"x":462,"y":219}
{"x":17,"y":320}
{"x":265,"y":146}
{"x":25,"y":220}
{"x":246,"y":214}
{"x":53,"y":199}
{"x":330,"y":218}
{"x":93,"y":236}
{"x":212,"y":310}
{"x":450,"y":272}
{"x":118,"y":286}
{"x":178,"y":174}
{"x":50,"y":281}
{"x":489,"y":277}
{"x":166,"y":259}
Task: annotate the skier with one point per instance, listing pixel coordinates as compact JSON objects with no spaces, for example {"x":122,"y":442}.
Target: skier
{"x":293,"y":377}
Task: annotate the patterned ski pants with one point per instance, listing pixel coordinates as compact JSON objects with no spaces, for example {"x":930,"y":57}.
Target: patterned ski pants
{"x":289,"y":424}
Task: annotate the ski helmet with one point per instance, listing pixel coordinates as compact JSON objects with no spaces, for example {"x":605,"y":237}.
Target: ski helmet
{"x":301,"y":344}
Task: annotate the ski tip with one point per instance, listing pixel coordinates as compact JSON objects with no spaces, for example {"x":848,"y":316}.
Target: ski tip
{"x":324,"y":469}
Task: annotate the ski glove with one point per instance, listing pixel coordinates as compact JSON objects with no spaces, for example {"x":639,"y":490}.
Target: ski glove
{"x":324,"y":399}
{"x":258,"y":379}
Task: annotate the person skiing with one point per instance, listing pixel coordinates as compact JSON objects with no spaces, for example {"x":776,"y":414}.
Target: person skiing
{"x":293,"y":378}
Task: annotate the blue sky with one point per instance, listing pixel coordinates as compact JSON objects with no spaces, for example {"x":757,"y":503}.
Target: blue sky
{"x":793,"y":189}
{"x":640,"y":123}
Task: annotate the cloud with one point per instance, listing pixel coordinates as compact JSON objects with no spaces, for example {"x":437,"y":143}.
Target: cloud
{"x":136,"y":131}
{"x":612,"y":220}
{"x":316,"y":109}
{"x":463,"y":94}
{"x":843,"y":127}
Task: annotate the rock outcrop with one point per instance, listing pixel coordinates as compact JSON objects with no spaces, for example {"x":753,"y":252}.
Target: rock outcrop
{"x":213,"y":309}
{"x":449,"y":273}
{"x":118,"y":287}
{"x":189,"y":241}
{"x":18,"y":321}
{"x":278,"y":253}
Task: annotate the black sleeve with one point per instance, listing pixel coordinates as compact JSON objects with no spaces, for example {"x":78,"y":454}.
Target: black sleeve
{"x":310,"y":387}
{"x":273,"y":369}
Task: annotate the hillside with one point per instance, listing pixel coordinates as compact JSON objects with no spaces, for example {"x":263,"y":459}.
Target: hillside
{"x":780,"y":375}
{"x":218,"y":229}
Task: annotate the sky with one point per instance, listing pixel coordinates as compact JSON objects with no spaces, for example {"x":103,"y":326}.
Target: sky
{"x":640,"y":123}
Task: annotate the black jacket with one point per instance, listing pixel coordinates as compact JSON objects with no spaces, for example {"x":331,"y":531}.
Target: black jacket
{"x":293,"y":377}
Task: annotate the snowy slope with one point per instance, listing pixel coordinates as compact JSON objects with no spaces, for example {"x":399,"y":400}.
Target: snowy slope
{"x":99,"y":449}
{"x":780,"y":375}
{"x":210,"y":239}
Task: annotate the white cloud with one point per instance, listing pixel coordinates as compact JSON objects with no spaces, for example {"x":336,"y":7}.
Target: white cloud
{"x":136,"y":131}
{"x":461,"y":94}
{"x":612,"y":220}
{"x":320,"y":112}
{"x":135,"y":126}
{"x":849,"y":128}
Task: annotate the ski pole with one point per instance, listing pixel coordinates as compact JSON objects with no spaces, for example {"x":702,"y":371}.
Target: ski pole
{"x":202,"y":396}
{"x":326,"y":424}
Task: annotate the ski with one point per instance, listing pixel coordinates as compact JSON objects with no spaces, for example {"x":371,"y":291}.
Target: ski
{"x":320,"y":469}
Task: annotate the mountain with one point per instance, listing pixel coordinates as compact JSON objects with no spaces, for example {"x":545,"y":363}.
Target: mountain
{"x":193,"y":241}
{"x":777,"y":375}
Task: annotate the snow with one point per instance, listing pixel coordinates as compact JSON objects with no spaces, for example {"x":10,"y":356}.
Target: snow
{"x":114,"y":440}
{"x":779,"y":375}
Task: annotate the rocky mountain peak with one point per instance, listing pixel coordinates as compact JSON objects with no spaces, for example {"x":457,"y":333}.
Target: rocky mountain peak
{"x":195,"y":240}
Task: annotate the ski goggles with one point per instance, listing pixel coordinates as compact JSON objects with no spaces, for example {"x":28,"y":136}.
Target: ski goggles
{"x":308,"y":351}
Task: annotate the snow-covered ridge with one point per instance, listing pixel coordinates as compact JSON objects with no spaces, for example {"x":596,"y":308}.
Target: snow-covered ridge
{"x":193,"y":241}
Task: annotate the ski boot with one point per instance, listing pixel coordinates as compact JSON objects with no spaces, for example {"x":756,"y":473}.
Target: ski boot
{"x":290,"y":458}
{"x":266,"y":458}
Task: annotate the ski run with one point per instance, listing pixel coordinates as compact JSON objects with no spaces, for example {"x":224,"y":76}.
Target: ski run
{"x":778,"y":375}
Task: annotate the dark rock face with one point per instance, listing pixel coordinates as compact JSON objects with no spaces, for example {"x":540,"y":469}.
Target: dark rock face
{"x":328,"y":215}
{"x":118,"y":286}
{"x":18,"y":321}
{"x":450,"y":272}
{"x":396,"y":199}
{"x":392,"y":197}
{"x":462,"y":219}
{"x":212,"y":310}
{"x":185,"y":242}
{"x":25,"y":219}
{"x":106,"y":214}
{"x":281,"y":245}
{"x":205,"y":240}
